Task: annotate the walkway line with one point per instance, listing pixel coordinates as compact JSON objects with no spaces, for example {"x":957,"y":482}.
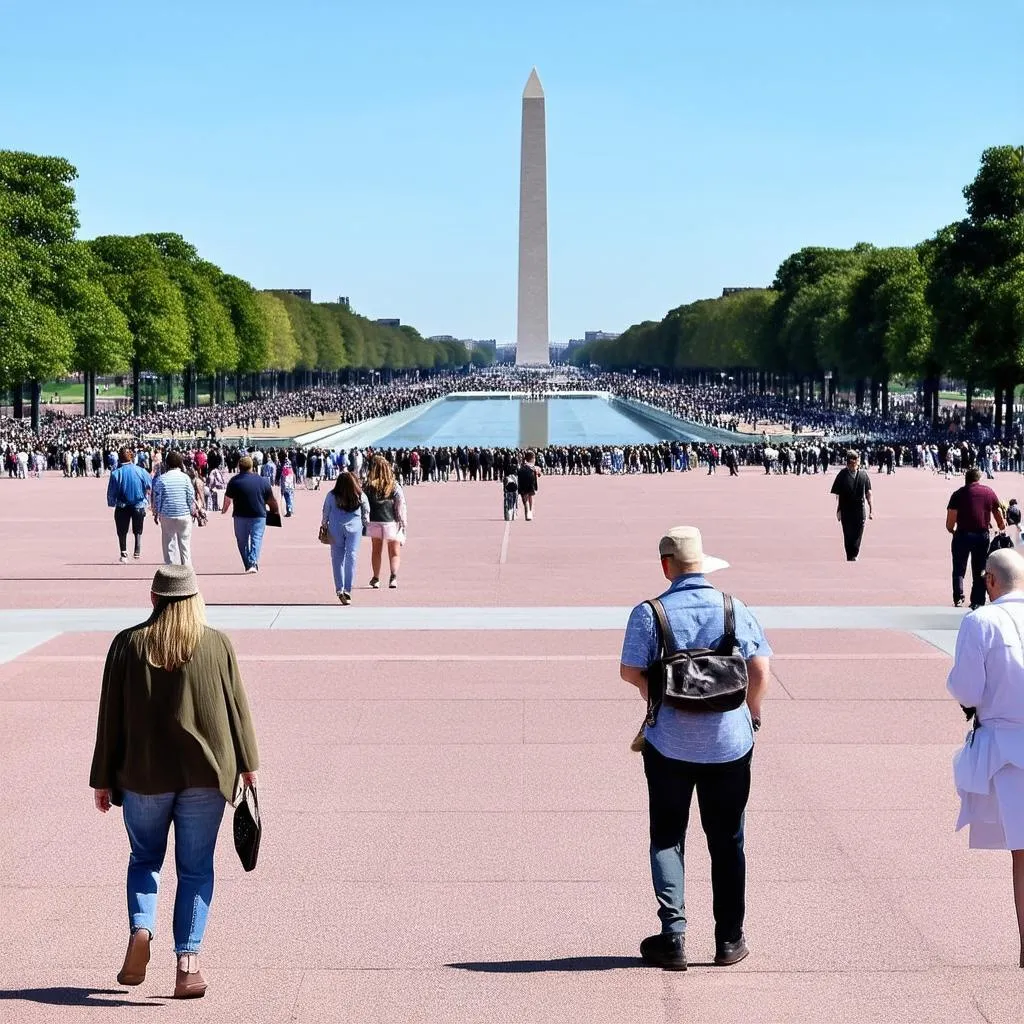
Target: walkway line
{"x":71,"y":659}
{"x":14,"y":645}
{"x":503,"y":557}
{"x":931,"y":621}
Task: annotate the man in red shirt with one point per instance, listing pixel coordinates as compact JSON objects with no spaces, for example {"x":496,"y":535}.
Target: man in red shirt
{"x":969,"y":516}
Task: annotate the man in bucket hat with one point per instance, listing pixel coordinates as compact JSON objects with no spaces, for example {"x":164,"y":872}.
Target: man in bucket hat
{"x":709,"y":752}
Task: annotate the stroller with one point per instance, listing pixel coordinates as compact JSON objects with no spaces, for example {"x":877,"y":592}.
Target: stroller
{"x":510,"y":491}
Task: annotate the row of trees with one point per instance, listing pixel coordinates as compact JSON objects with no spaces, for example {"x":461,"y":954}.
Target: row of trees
{"x":150,"y":303}
{"x":953,"y":305}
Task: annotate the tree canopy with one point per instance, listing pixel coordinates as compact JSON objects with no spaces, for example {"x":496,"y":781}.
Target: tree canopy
{"x":952,"y":305}
{"x":151,"y":302}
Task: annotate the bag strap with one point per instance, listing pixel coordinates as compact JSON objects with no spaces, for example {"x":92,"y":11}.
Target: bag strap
{"x":729,"y":637}
{"x":668,"y":641}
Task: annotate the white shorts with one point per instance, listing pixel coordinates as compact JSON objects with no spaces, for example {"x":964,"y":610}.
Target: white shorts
{"x":384,"y":531}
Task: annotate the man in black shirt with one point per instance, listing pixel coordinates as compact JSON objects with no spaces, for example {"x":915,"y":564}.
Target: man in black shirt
{"x":852,"y":488}
{"x":528,"y":484}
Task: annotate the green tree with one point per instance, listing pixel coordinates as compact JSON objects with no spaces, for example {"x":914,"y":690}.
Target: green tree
{"x":37,"y":230}
{"x":213,"y":345}
{"x":976,"y":285}
{"x":282,"y":348}
{"x":135,"y":277}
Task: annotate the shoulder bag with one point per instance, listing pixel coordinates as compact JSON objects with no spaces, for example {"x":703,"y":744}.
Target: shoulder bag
{"x":324,"y":536}
{"x":248,"y":828}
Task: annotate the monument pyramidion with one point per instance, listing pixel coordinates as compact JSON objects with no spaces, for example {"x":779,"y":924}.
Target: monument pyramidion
{"x":532,"y":315}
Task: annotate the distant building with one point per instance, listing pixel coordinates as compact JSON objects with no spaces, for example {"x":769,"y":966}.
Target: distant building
{"x":589,"y":336}
{"x":726,"y":292}
{"x":490,"y":346}
{"x":343,"y":301}
{"x":441,"y":337}
{"x":299,"y":293}
{"x":388,"y":322}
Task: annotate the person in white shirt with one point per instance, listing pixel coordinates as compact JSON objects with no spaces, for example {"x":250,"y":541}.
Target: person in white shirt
{"x":987,"y":679}
{"x":174,"y":494}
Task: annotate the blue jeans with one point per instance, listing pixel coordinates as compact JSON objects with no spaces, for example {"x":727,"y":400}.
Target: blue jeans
{"x":345,"y":538}
{"x":196,"y":814}
{"x":722,"y":792}
{"x":289,"y":500}
{"x":249,"y":537}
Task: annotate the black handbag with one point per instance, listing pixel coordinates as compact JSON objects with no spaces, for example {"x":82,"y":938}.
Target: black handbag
{"x":248,"y":828}
{"x":702,"y":680}
{"x":273,"y":518}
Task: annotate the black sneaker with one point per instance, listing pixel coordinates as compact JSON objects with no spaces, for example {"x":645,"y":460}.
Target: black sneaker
{"x":393,"y":583}
{"x":729,"y":953}
{"x":665,"y":951}
{"x":958,"y":602}
{"x":375,"y":582}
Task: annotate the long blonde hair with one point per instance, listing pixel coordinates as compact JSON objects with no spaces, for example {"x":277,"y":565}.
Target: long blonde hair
{"x":171,"y":636}
{"x":381,"y":477}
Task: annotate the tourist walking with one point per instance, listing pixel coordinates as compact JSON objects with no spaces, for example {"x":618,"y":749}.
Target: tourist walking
{"x":388,"y":521}
{"x":216,"y":485}
{"x":687,"y":747}
{"x":173,"y":737}
{"x":528,"y":484}
{"x":969,"y":516}
{"x":987,"y":679}
{"x":247,"y":498}
{"x":288,"y":488}
{"x":128,"y":493}
{"x":852,"y":488}
{"x":174,"y":495}
{"x":346,"y":516}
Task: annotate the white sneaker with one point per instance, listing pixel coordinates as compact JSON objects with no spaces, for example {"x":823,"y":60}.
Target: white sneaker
{"x":123,"y":559}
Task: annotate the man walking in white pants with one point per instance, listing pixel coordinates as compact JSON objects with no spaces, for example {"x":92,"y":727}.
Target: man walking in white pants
{"x":173,"y":497}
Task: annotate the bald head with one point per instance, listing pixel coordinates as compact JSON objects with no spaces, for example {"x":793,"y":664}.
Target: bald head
{"x":1006,"y":567}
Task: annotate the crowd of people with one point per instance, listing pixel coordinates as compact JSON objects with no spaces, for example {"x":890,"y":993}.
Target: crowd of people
{"x":724,"y":408}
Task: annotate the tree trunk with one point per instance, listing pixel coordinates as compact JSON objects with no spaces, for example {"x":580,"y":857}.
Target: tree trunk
{"x":35,"y":391}
{"x":136,"y":395}
{"x":18,"y":400}
{"x":885,"y":397}
{"x":967,"y":405}
{"x":1008,"y":424}
{"x":997,"y":410}
{"x":858,"y":390}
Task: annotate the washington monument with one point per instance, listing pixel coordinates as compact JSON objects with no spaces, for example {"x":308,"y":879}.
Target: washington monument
{"x":532,"y":318}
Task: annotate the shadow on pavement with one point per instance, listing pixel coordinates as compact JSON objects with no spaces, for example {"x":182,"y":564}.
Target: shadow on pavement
{"x":569,"y":963}
{"x":69,"y":996}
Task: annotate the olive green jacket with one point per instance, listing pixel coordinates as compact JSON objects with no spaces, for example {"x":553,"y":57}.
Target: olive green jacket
{"x":162,"y":732}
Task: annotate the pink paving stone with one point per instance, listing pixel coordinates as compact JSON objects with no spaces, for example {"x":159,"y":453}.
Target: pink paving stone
{"x":578,"y":519}
{"x":891,"y":679}
{"x":476,"y":803}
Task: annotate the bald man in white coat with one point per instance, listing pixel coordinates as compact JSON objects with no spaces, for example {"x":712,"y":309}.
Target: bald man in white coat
{"x":987,"y":679}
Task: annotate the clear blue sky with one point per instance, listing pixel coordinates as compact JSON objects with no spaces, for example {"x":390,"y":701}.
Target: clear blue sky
{"x":372,"y":150}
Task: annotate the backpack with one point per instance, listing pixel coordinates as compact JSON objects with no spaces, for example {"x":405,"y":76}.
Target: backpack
{"x":699,"y":679}
{"x":1013,"y":515}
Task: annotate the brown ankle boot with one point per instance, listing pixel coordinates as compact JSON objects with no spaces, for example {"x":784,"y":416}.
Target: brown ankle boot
{"x":133,"y":972}
{"x":189,"y":982}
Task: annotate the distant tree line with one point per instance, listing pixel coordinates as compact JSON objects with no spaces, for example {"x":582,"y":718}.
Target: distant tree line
{"x":150,"y":304}
{"x":951,"y":306}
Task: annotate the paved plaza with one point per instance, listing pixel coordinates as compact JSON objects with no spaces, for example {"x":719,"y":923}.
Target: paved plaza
{"x":455,"y":828}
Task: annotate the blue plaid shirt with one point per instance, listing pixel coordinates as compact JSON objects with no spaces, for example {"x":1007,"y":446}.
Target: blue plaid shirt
{"x":695,"y":614}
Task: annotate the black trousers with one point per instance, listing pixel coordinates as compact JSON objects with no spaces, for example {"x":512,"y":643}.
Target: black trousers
{"x":136,"y":519}
{"x":972,"y":546}
{"x":853,"y":532}
{"x":722,"y":793}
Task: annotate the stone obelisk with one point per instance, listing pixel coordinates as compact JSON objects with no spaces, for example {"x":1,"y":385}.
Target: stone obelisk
{"x":532,"y":319}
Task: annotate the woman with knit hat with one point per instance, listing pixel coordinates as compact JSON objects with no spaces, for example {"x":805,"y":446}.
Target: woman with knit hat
{"x":174,"y":735}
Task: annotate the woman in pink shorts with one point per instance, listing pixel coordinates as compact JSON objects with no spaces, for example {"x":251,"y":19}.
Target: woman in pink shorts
{"x":387,"y":518}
